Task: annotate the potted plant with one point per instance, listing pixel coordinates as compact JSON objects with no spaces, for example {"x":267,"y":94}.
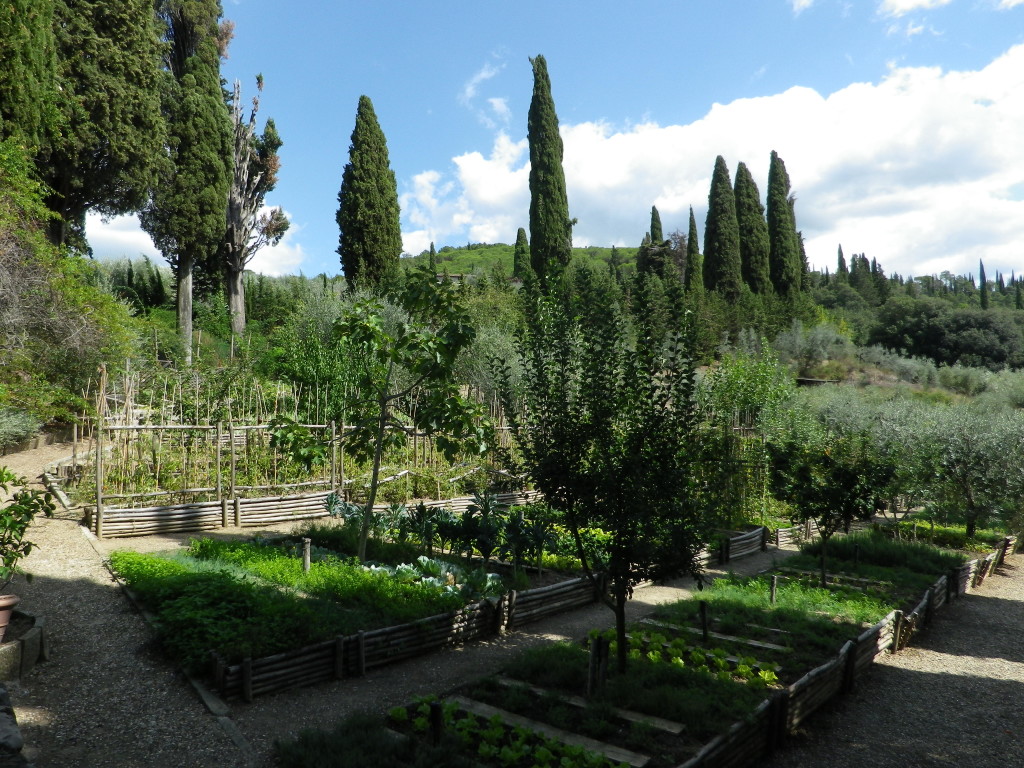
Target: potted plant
{"x":16,"y":515}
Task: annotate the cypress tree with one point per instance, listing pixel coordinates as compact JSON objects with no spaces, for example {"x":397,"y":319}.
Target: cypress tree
{"x":785,"y":263}
{"x":432,"y":258}
{"x":657,"y":238}
{"x":28,"y":67}
{"x":753,"y":232}
{"x":694,"y":279}
{"x":550,"y":226}
{"x":109,"y":150}
{"x":370,"y":242}
{"x":1018,"y":298}
{"x":521,"y":254}
{"x":722,"y":270}
{"x":186,"y":214}
{"x":983,"y":284}
{"x":842,"y":271}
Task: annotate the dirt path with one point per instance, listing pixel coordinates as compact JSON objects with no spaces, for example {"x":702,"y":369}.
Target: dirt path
{"x":107,"y":698}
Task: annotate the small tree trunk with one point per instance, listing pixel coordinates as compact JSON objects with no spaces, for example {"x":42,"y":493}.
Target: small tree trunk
{"x":236,"y":300}
{"x":183,"y":278}
{"x":620,"y":626}
{"x":824,"y":548}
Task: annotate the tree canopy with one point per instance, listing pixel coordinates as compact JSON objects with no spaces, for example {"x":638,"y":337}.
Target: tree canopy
{"x":370,"y":241}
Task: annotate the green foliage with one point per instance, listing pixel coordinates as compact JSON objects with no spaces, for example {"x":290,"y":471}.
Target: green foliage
{"x":16,"y":514}
{"x":873,"y":548}
{"x":550,"y":226}
{"x":110,"y":148}
{"x":368,"y":215}
{"x":361,"y":740}
{"x":722,"y":265}
{"x":753,"y":232}
{"x":785,"y":263}
{"x":28,"y":67}
{"x":933,"y":328}
{"x":16,"y":426}
{"x":627,"y":412}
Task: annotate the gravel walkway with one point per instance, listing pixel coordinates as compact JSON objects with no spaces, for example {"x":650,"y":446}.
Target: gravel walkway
{"x":107,"y":698}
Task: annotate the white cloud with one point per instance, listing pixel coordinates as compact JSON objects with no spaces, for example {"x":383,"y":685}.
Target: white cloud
{"x":121,"y":236}
{"x":801,"y":5}
{"x":1005,"y":4}
{"x":118,"y":237}
{"x":285,"y":258}
{"x":469,"y":90}
{"x":918,"y":171}
{"x":903,"y":7}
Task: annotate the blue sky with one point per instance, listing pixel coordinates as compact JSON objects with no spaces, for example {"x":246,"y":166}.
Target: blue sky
{"x":901,"y":122}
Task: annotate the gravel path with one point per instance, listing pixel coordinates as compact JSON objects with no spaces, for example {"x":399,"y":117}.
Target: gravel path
{"x":107,"y":698}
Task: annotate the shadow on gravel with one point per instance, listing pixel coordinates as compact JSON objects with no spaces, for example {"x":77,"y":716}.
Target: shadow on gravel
{"x":901,"y":718}
{"x":981,"y":627}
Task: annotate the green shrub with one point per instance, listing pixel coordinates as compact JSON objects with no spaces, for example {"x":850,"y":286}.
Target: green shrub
{"x":873,"y":548}
{"x":16,"y":426}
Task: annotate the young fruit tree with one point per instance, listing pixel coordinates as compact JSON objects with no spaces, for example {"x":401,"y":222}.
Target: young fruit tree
{"x":391,"y":364}
{"x":605,"y":425}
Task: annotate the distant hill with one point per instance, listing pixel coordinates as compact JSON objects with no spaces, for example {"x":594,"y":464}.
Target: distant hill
{"x":482,"y":258}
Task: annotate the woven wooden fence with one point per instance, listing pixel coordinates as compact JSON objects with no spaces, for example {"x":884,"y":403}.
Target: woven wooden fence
{"x":770,"y":724}
{"x":240,"y":512}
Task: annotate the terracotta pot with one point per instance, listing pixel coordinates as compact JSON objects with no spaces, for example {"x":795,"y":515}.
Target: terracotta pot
{"x":7,"y":606}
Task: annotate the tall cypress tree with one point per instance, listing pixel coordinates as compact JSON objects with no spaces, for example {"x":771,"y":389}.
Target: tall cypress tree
{"x":753,"y":232}
{"x":521,"y":254}
{"x":694,"y":279}
{"x":983,"y":284}
{"x":109,"y":151}
{"x":186,"y":214}
{"x":28,"y":67}
{"x":432,"y":258}
{"x":657,"y":237}
{"x":370,"y":242}
{"x":550,"y":226}
{"x":722,"y":270}
{"x":784,"y":258}
{"x":842,"y":271}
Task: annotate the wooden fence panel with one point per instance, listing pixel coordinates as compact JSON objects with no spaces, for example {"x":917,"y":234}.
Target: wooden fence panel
{"x":815,"y":688}
{"x":742,"y":745}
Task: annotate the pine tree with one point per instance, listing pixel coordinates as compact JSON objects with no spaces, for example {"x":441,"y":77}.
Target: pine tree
{"x":983,"y":283}
{"x":109,"y":151}
{"x":186,"y":214}
{"x":753,"y":232}
{"x":370,"y":242}
{"x":550,"y":226}
{"x":255,"y":174}
{"x":657,"y":238}
{"x":722,"y":269}
{"x":694,"y":279}
{"x":785,"y":264}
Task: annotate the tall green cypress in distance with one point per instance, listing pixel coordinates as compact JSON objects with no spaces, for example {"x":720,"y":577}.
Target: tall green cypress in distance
{"x":753,"y":232}
{"x":432,"y":258}
{"x":521,"y":254}
{"x":615,"y":264}
{"x":722,"y":270}
{"x":1018,"y":296}
{"x":842,"y":271}
{"x":28,"y":67}
{"x":983,"y":285}
{"x":550,"y":226}
{"x":694,"y":278}
{"x":784,"y":259}
{"x":370,"y":241}
{"x":109,"y":151}
{"x":657,"y":237}
{"x":185,"y":215}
